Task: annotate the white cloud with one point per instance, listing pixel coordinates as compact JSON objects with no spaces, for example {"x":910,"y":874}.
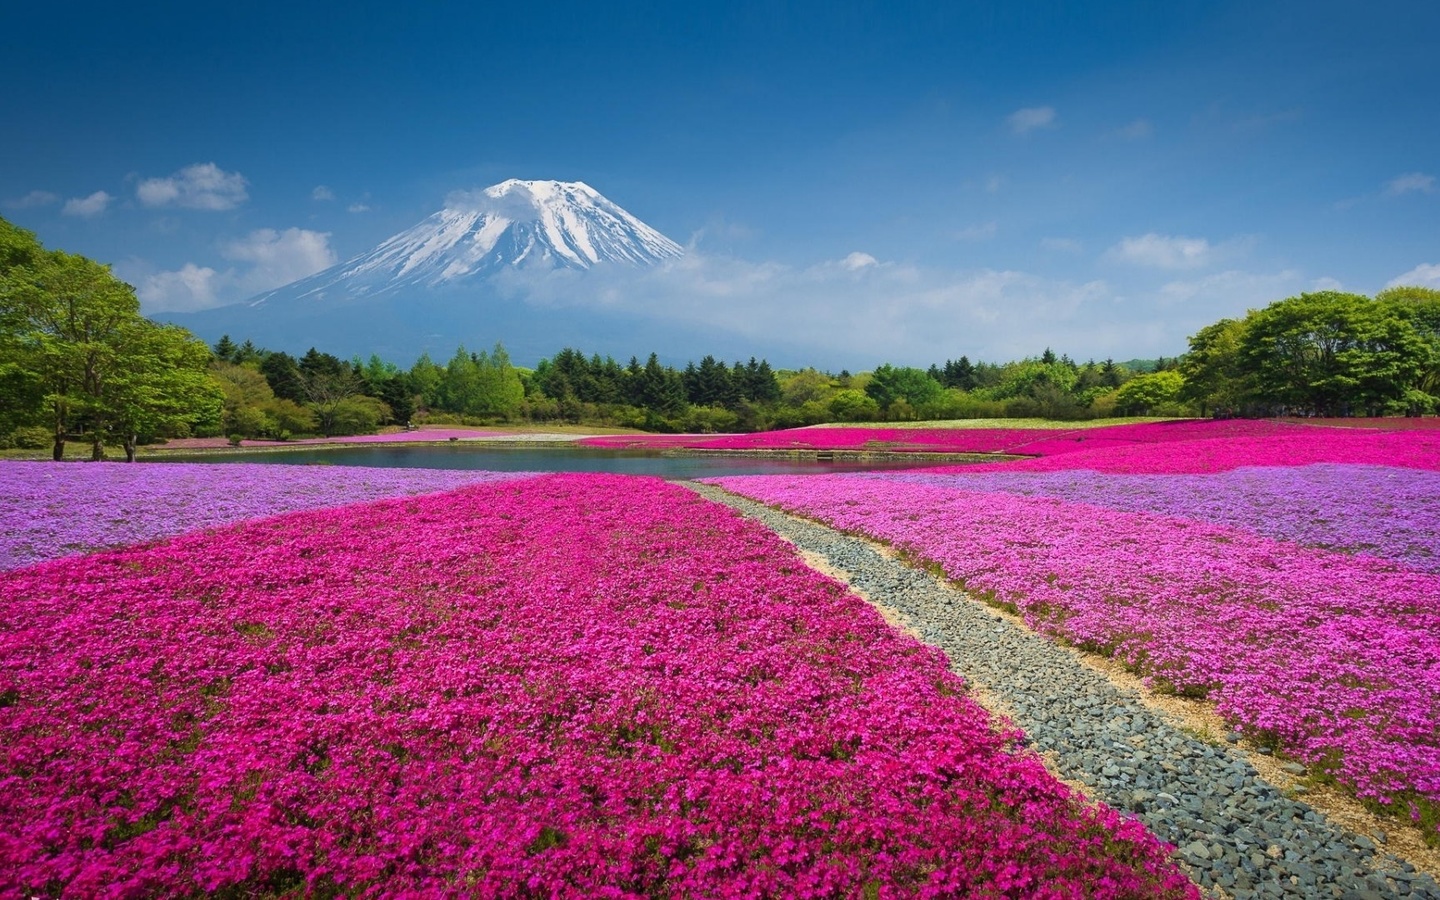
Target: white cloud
{"x":1140,"y":128}
{"x":279,"y":257}
{"x":322,"y":193}
{"x":1230,"y":292}
{"x":1024,"y":121}
{"x":268,"y":259}
{"x":1410,"y":183}
{"x":200,"y":186}
{"x":1423,"y":275}
{"x":1161,"y":251}
{"x":1326,"y":283}
{"x":187,"y":289}
{"x":87,"y":207}
{"x":861,"y":311}
{"x":1061,"y":245}
{"x":982,"y":232}
{"x":994,"y":183}
{"x":32,"y":200}
{"x":357,"y":208}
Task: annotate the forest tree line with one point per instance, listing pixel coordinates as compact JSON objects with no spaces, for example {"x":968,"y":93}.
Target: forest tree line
{"x":79,"y":363}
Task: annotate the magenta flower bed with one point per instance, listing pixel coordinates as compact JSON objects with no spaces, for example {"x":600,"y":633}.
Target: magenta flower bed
{"x":61,"y":509}
{"x":578,"y":685}
{"x":1333,"y":657}
{"x":1189,"y":446}
{"x":1381,"y":511}
{"x":1289,"y":445}
{"x":951,"y":440}
{"x":407,"y":437}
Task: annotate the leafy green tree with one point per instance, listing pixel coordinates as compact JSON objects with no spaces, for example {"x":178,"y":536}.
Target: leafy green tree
{"x":1420,"y":306}
{"x":890,"y":384}
{"x":79,"y":353}
{"x":425,"y":380}
{"x":1214,"y":380}
{"x":1332,"y":353}
{"x":163,"y":388}
{"x":481,"y":384}
{"x":1154,"y":393}
{"x":851,"y":405}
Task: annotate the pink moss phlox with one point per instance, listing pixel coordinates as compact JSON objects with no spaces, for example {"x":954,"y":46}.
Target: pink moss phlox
{"x":1194,"y":445}
{"x":53,"y":510}
{"x":1333,"y":656}
{"x":572,"y":685}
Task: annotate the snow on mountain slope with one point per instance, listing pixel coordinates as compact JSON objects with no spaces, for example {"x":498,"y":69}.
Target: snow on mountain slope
{"x":552,"y":224}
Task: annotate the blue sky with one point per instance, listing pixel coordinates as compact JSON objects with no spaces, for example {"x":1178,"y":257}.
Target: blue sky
{"x":897,"y":181}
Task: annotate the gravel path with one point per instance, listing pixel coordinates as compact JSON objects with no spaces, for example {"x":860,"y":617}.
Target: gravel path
{"x":1234,"y":830}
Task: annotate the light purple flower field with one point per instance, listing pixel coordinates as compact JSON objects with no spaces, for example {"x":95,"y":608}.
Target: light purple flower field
{"x":1381,"y":511}
{"x":51,"y":510}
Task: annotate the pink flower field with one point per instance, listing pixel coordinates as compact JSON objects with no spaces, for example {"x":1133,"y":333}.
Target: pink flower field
{"x":1188,"y":446}
{"x":62,"y":509}
{"x":1331,"y":656}
{"x":553,"y":686}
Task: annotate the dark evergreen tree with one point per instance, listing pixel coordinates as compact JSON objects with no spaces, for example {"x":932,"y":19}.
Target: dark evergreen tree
{"x":225,"y":349}
{"x":284,"y":377}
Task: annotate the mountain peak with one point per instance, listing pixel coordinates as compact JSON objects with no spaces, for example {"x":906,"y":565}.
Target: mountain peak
{"x":516,"y":223}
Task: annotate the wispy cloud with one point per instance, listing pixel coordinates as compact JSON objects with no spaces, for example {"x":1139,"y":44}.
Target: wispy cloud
{"x":1061,"y":245}
{"x":1232,"y":290}
{"x":357,"y":208}
{"x":1410,"y":183}
{"x":322,"y":193}
{"x":982,"y":232}
{"x":32,"y":200}
{"x":1030,"y":118}
{"x":1140,"y":128}
{"x":857,"y":261}
{"x":858,"y":310}
{"x":199,"y":186}
{"x":1162,"y":251}
{"x":267,"y":258}
{"x":280,"y":257}
{"x":87,"y":207}
{"x":186,"y":289}
{"x":1423,"y":275}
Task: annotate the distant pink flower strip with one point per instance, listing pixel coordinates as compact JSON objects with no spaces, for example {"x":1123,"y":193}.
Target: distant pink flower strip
{"x":52,"y":510}
{"x":1336,"y":656}
{"x":1198,"y":445}
{"x":578,"y":686}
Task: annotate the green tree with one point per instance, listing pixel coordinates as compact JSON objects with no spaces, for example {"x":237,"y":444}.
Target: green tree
{"x":1332,"y":353}
{"x":1420,"y":306}
{"x":164,"y":388}
{"x":76,"y":343}
{"x":1154,"y":393}
{"x":851,"y":405}
{"x":890,"y":384}
{"x":1213,"y":377}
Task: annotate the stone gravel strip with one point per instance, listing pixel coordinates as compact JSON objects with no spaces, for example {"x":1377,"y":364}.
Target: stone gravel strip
{"x":1234,"y":830}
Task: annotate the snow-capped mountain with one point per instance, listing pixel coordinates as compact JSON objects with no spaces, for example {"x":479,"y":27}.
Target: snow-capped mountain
{"x":448,"y":280}
{"x":551,"y":224}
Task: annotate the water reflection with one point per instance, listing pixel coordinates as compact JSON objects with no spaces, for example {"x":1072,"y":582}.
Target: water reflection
{"x":547,"y":459}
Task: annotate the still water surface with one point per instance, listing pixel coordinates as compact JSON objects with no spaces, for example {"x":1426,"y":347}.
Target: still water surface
{"x":547,"y":459}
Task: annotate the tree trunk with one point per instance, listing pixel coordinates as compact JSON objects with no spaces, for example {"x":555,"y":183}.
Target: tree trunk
{"x":97,"y":449}
{"x":130,"y":441}
{"x":58,"y":452}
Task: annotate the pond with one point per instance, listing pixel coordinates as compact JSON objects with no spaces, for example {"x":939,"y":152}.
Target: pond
{"x":546,"y":459}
